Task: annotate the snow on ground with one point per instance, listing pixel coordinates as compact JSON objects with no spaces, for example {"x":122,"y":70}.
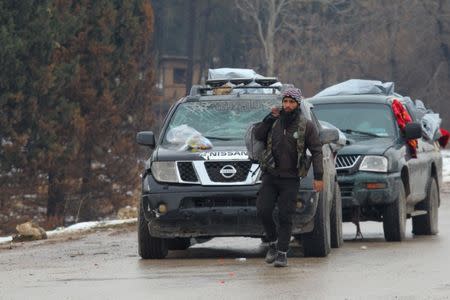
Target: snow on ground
{"x":90,"y":225}
{"x":446,"y":165}
{"x":79,"y":227}
{"x":5,"y":239}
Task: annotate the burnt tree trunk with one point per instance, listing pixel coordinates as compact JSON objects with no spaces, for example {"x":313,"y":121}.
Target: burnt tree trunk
{"x":56,"y":198}
{"x":87,"y":208}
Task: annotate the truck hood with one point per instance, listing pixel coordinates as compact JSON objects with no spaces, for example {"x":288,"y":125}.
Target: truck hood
{"x":372,"y":146}
{"x":216,"y":153}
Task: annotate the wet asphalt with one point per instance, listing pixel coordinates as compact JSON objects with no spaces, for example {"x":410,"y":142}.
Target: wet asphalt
{"x":105,"y":265}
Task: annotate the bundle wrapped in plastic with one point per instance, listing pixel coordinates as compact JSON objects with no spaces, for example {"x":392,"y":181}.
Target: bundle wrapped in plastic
{"x":430,"y":126}
{"x":240,"y":78}
{"x":198,"y":142}
{"x":230,"y":73}
{"x":188,"y":137}
{"x":358,"y":87}
{"x":420,"y":109}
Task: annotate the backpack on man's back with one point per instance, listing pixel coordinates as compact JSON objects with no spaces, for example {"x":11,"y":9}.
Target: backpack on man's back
{"x":255,"y":148}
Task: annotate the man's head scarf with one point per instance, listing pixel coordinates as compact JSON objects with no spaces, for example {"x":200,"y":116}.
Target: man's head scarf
{"x":293,"y":93}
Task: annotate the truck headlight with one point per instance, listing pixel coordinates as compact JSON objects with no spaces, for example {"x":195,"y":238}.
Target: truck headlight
{"x":165,"y":171}
{"x":374,"y":164}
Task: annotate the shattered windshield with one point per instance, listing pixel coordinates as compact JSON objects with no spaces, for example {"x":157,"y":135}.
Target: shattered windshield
{"x":215,"y":122}
{"x":359,"y":119}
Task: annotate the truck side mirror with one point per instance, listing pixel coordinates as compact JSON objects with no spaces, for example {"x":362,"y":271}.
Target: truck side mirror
{"x":146,"y":138}
{"x":328,"y":136}
{"x":413,"y":131}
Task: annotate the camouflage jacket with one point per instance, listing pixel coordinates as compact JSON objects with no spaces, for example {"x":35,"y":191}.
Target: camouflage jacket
{"x":288,"y":147}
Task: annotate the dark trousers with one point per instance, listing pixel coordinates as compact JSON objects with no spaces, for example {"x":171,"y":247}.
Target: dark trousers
{"x":284,"y":192}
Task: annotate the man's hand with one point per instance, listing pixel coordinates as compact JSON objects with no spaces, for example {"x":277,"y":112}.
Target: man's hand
{"x":318,"y":185}
{"x":275,"y":112}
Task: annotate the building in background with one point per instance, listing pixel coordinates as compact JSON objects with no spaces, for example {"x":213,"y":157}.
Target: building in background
{"x":171,"y":74}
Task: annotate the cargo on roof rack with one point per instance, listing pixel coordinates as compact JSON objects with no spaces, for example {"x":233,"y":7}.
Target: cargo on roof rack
{"x":234,"y":81}
{"x":198,"y":90}
{"x":263,"y":81}
{"x":358,"y":87}
{"x":225,"y":81}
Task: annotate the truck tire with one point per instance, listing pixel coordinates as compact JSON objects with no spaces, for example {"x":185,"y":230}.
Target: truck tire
{"x":317,"y":242}
{"x":178,"y":243}
{"x":336,"y":219}
{"x":428,"y":224}
{"x":394,"y":218}
{"x":149,"y":247}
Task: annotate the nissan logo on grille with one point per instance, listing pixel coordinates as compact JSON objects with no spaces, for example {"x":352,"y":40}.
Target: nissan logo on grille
{"x":228,"y":171}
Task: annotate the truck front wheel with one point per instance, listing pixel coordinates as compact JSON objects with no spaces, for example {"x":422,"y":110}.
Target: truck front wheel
{"x":317,"y":242}
{"x":149,"y":247}
{"x":428,"y":224}
{"x":394,"y":217}
{"x":336,"y":219}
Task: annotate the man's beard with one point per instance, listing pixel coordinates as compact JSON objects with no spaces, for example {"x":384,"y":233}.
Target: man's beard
{"x":287,"y":118}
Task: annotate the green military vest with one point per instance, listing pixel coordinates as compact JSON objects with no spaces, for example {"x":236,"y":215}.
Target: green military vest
{"x":267,"y":160}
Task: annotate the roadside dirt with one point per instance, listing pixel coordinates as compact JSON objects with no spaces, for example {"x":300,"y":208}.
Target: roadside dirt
{"x":71,"y":236}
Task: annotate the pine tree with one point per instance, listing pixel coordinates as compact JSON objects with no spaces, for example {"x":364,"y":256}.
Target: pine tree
{"x":75,"y":87}
{"x":112,"y":88}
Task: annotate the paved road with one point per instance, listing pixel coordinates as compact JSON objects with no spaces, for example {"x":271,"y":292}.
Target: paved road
{"x":104,"y":265}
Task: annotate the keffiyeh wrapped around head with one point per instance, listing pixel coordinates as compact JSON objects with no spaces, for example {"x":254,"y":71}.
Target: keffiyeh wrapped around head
{"x":293,"y":93}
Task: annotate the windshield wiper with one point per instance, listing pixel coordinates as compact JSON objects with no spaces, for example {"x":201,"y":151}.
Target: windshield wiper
{"x":351,"y":131}
{"x":221,"y":138}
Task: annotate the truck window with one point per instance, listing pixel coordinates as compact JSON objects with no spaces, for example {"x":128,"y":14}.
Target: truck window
{"x":376,"y":119}
{"x":222,"y":122}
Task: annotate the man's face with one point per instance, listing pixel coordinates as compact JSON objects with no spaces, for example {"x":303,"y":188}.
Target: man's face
{"x":289,"y":104}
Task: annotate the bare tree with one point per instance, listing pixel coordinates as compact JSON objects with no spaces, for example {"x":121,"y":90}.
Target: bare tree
{"x":190,"y":44}
{"x":268,"y":17}
{"x":289,"y":28}
{"x":316,"y":43}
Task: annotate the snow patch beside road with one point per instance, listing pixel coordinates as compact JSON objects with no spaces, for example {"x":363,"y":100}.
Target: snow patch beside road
{"x":446,"y":165}
{"x":79,"y":227}
{"x":5,"y":239}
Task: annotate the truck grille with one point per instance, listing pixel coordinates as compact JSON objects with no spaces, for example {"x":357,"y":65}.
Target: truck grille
{"x":191,"y":202}
{"x":186,"y":170}
{"x":346,"y":189}
{"x":346,"y":161}
{"x":228,"y":171}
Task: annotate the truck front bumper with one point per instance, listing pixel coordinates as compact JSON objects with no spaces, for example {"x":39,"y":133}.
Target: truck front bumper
{"x":195,"y":211}
{"x":368,"y":189}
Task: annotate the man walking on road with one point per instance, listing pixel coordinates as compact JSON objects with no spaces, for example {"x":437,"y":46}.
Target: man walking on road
{"x":287,"y":134}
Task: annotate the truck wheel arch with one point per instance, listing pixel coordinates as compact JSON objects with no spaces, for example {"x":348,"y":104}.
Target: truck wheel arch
{"x":405,"y":179}
{"x":435,"y":176}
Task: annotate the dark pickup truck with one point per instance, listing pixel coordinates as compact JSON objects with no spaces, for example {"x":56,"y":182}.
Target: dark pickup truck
{"x":193,"y":192}
{"x":380,"y":180}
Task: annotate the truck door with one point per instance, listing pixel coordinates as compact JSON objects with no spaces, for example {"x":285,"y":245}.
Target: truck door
{"x":422,"y":172}
{"x":419,"y":167}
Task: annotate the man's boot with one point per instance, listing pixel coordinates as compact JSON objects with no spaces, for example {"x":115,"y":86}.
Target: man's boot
{"x":271,"y":253}
{"x":281,"y":259}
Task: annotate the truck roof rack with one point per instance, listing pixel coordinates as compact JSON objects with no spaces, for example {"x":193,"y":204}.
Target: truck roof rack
{"x":263,"y":81}
{"x":220,"y":82}
{"x":198,"y":90}
{"x":225,"y":86}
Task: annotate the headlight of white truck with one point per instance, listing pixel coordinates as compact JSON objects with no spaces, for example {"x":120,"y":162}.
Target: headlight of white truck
{"x":164,"y":171}
{"x":374,"y":164}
